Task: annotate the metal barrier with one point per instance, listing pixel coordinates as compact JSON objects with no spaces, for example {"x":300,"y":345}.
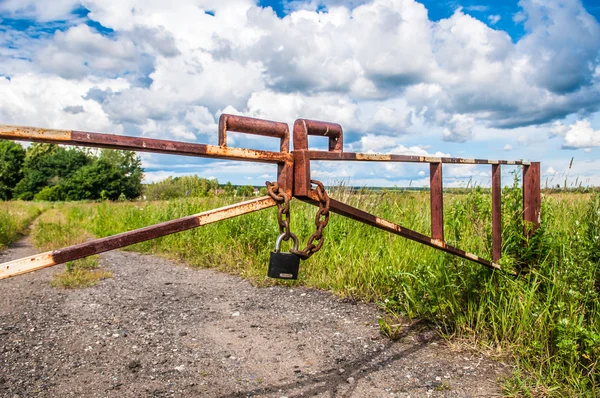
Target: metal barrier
{"x":293,"y":180}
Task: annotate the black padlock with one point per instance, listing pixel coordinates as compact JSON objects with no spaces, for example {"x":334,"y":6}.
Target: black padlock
{"x":284,"y":265}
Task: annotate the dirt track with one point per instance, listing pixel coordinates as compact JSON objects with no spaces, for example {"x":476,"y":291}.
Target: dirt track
{"x":157,"y":329}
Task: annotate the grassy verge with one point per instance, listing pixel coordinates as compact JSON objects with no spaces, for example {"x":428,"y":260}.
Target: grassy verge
{"x":547,"y":319}
{"x":15,"y":218}
{"x":52,"y":231}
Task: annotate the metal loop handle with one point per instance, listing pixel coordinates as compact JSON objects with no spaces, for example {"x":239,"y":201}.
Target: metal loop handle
{"x":281,"y":238}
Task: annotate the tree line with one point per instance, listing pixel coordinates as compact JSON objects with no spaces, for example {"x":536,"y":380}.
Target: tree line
{"x":194,"y":186}
{"x":56,"y":173}
{"x":49,"y":172}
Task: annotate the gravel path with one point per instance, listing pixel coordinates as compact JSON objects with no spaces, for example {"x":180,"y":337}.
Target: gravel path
{"x":159,"y":329}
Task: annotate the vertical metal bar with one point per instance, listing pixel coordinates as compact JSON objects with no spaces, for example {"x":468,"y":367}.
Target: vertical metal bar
{"x":531,"y":197}
{"x":301,"y":159}
{"x":301,"y":173}
{"x":285,"y":177}
{"x":496,"y":213}
{"x":437,"y":201}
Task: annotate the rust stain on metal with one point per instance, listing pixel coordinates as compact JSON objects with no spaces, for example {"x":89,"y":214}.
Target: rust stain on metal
{"x":436,"y":199}
{"x":496,"y":213}
{"x":237,"y":209}
{"x":467,"y":161}
{"x":21,"y":132}
{"x":432,"y":159}
{"x":472,"y":256}
{"x":531,"y":197}
{"x":248,"y":125}
{"x":27,"y":264}
{"x":387,"y":224}
{"x":373,"y":156}
{"x":438,"y":242}
{"x":305,"y":127}
{"x":247,"y":154}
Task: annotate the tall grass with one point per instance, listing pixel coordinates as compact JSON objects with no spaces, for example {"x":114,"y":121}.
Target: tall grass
{"x":547,"y":318}
{"x":15,"y":218}
{"x":54,"y":230}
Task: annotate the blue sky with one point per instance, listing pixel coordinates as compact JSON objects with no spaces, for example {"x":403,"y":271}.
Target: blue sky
{"x":489,"y":79}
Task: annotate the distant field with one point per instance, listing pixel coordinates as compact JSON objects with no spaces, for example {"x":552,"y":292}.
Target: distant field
{"x":547,"y":319}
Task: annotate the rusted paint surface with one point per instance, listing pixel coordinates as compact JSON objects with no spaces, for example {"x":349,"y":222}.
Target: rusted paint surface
{"x":432,"y":159}
{"x":304,"y":127}
{"x":301,"y":173}
{"x":140,"y":144}
{"x":247,"y":154}
{"x":285,"y":177}
{"x":249,"y":125}
{"x":27,"y":264}
{"x":373,"y":157}
{"x":436,"y":196}
{"x":369,"y":219}
{"x":376,"y":157}
{"x":131,"y":237}
{"x":531,"y":196}
{"x":26,"y":133}
{"x":496,"y":213}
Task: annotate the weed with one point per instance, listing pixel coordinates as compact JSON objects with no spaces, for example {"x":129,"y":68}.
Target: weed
{"x":390,"y":326}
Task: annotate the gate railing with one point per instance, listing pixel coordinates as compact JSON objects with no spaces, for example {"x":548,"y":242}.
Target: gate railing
{"x":293,"y":178}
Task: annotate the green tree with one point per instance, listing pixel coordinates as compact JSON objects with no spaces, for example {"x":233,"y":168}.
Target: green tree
{"x":178,"y":187}
{"x":228,"y":189}
{"x":130,"y":169}
{"x":245,"y":190}
{"x":47,"y":165}
{"x":111,"y":176}
{"x":52,"y":172}
{"x":51,"y":194}
{"x":12,"y":157}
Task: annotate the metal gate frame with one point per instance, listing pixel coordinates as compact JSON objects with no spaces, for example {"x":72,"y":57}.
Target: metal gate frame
{"x":293,"y":177}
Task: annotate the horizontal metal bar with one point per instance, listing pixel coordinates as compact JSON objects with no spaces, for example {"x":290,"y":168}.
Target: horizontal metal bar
{"x":48,"y":259}
{"x":72,"y":137}
{"x":378,"y":157}
{"x":370,"y":219}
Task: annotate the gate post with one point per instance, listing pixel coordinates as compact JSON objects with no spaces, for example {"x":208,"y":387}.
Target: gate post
{"x":496,"y":213}
{"x":436,"y":197}
{"x":531,"y":198}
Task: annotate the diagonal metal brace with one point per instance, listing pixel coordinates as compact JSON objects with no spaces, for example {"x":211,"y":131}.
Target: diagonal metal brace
{"x":354,"y":213}
{"x":48,"y":259}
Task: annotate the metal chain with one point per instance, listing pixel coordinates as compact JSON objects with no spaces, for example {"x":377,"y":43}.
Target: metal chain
{"x":321,"y":219}
{"x":283,"y":209}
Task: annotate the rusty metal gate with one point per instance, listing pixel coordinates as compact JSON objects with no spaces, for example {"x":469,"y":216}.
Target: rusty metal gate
{"x":293,"y":181}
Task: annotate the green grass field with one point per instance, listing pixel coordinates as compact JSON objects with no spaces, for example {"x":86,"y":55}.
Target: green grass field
{"x":547,"y":320}
{"x":15,"y":218}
